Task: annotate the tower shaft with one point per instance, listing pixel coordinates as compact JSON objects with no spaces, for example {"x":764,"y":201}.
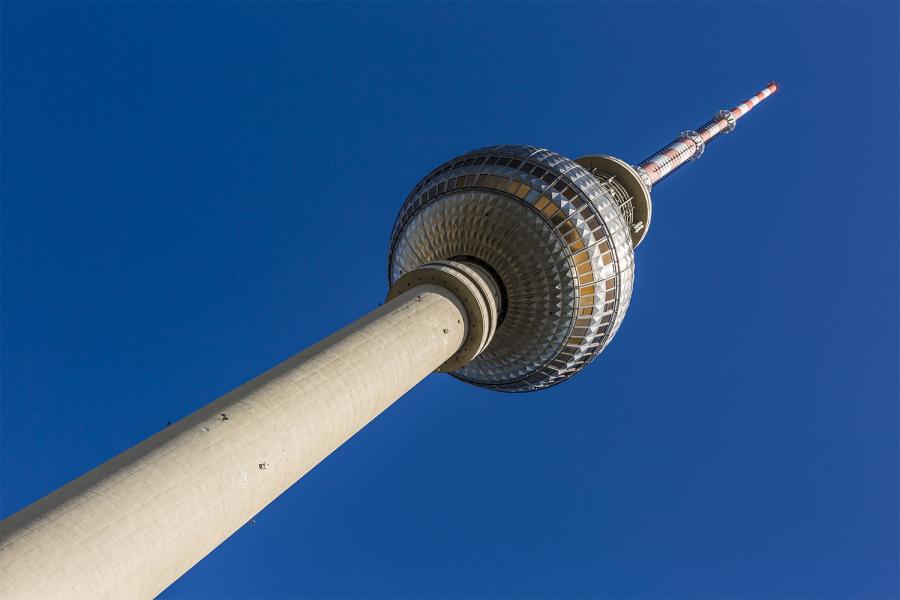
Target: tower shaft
{"x":132,"y":526}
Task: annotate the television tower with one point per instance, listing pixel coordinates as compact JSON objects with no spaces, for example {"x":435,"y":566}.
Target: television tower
{"x":510,"y":267}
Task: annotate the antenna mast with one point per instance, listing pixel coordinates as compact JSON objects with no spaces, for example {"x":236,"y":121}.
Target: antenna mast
{"x":690,"y":144}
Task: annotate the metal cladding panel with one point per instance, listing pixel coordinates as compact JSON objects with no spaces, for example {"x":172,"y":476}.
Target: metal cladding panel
{"x":556,"y":239}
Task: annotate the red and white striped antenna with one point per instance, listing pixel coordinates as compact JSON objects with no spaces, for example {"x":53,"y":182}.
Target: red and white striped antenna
{"x":690,"y":144}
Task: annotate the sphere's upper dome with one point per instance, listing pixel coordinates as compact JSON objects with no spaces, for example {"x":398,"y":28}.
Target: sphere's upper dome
{"x":552,"y":234}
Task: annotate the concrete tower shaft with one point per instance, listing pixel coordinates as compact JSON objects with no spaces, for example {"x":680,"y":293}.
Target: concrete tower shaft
{"x":133,"y":525}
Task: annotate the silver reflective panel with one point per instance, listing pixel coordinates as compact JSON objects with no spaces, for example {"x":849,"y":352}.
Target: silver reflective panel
{"x":555,"y":238}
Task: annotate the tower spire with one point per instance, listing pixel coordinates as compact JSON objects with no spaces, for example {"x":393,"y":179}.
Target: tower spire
{"x":690,"y":144}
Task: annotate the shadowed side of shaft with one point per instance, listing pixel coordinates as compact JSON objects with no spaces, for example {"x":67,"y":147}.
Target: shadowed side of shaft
{"x":132,"y":526}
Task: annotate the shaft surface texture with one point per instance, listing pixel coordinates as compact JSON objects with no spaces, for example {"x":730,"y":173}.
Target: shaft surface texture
{"x":133,"y":525}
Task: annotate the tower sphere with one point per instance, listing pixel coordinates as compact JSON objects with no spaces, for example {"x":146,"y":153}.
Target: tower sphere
{"x":557,"y":237}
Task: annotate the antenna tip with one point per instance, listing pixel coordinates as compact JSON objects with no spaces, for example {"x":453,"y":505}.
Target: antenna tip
{"x":774,"y":86}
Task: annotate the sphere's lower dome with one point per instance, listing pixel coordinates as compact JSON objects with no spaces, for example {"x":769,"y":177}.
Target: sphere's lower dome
{"x":556,"y":240}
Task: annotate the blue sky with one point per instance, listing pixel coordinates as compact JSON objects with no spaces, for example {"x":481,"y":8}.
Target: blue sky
{"x":193,"y":192}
